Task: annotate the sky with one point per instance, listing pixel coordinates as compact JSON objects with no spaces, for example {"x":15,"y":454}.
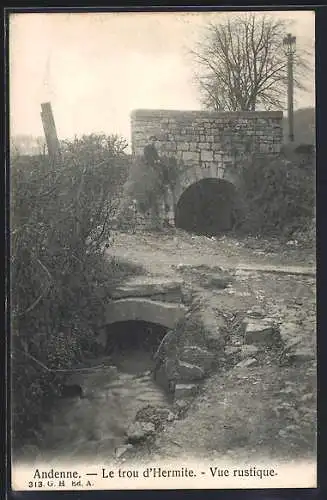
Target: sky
{"x":95,"y":68}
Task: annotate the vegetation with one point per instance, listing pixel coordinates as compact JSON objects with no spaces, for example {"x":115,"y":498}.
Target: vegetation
{"x":304,"y":126}
{"x":278,"y":195}
{"x":61,"y":222}
{"x":150,"y":186}
{"x":242,"y":64}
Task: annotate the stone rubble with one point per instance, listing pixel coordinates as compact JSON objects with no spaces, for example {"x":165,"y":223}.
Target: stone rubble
{"x":140,"y":431}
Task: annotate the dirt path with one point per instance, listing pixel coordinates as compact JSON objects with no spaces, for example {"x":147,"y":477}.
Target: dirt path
{"x":161,"y":253}
{"x":267,"y":409}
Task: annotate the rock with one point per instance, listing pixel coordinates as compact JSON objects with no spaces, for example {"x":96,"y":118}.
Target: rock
{"x":185,"y":390}
{"x":140,"y":431}
{"x":119,"y":452}
{"x":289,"y":333}
{"x":154,"y":415}
{"x":261,"y":331}
{"x":187,"y":372}
{"x":219,"y":281}
{"x":199,"y":356}
{"x":300,"y":355}
{"x":213,"y":326}
{"x":148,"y":286}
{"x":231,"y":350}
{"x":246,"y":363}
{"x":248,"y":351}
{"x":165,"y":375}
{"x":256,"y":312}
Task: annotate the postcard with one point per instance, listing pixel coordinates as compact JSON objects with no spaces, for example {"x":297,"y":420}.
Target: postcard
{"x":163,"y":274}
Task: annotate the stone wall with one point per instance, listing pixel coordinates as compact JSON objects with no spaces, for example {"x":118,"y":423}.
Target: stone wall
{"x":209,"y":140}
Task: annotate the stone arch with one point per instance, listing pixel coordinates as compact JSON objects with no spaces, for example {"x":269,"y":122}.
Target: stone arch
{"x":140,"y":309}
{"x":206,"y":206}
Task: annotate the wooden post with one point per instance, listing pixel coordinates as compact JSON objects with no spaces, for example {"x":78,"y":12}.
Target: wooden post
{"x":50,"y":132}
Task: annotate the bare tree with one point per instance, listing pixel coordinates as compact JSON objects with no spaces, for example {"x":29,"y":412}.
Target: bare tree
{"x":242,"y":64}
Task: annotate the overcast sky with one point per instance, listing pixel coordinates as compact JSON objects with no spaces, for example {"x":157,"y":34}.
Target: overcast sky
{"x":96,"y":68}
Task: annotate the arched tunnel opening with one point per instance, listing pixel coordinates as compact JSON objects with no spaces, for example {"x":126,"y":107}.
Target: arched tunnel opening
{"x":132,"y":344}
{"x":207,"y":207}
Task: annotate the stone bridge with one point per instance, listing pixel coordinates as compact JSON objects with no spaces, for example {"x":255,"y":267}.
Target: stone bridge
{"x":147,"y":299}
{"x":208,"y":147}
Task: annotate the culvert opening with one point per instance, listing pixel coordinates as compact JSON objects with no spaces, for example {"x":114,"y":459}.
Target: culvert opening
{"x":132,"y":344}
{"x":207,"y":207}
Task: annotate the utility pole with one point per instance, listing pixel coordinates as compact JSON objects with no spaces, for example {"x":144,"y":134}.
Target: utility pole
{"x":289,"y":43}
{"x":50,"y":132}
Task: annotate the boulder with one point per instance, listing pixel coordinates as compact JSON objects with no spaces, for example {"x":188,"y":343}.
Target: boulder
{"x":198,"y":356}
{"x":261,"y":331}
{"x":140,"y":431}
{"x":183,"y":391}
{"x":188,"y":372}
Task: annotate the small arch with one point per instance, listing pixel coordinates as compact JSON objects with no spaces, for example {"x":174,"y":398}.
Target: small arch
{"x":206,"y":207}
{"x":139,"y":309}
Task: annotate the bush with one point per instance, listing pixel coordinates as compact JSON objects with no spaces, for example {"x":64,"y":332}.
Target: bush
{"x":148,"y":186}
{"x":61,"y":221}
{"x":278,"y":194}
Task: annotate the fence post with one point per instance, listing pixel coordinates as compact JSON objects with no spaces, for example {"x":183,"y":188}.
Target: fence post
{"x":50,"y":131}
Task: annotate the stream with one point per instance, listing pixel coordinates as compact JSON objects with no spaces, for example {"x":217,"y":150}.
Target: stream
{"x":95,"y":425}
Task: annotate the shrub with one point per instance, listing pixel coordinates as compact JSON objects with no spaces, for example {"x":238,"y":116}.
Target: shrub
{"x":148,"y":186}
{"x":278,"y":194}
{"x":61,"y":221}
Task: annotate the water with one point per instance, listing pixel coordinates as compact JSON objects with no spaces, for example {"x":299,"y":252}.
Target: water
{"x":95,"y":425}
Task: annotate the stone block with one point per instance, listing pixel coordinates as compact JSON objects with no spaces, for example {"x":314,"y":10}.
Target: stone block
{"x":190,"y":156}
{"x":183,"y":391}
{"x":261,"y":331}
{"x":206,"y":155}
{"x":188,"y":372}
{"x":139,"y":309}
{"x":204,"y":146}
{"x":218,"y":156}
{"x":198,"y":356}
{"x":148,"y":287}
